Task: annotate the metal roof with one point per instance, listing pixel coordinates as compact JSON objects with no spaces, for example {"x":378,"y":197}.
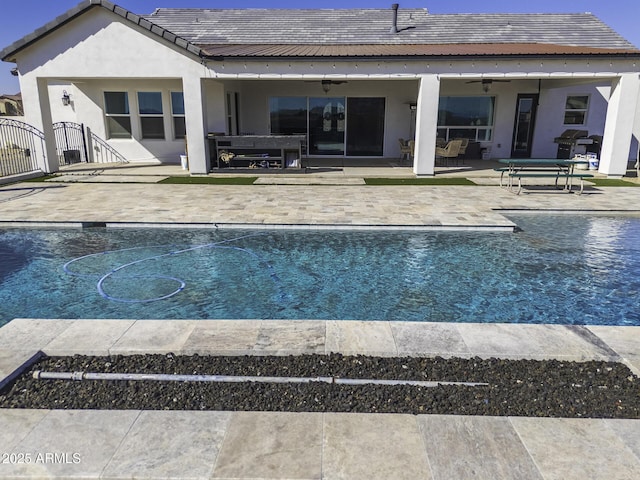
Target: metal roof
{"x":395,"y":51}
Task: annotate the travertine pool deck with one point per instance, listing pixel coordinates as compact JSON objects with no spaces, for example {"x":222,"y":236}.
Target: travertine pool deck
{"x":270,"y":445}
{"x":262,"y":445}
{"x":302,"y":206}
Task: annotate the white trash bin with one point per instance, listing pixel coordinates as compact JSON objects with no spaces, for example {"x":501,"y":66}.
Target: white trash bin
{"x":184,"y":161}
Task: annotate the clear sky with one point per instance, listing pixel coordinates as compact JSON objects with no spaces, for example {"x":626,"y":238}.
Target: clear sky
{"x":20,"y":17}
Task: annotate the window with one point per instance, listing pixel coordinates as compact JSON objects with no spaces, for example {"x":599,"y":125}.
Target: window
{"x":288,"y":115}
{"x":118,"y":119}
{"x":466,"y":117}
{"x":575,"y":109}
{"x":177,"y":111}
{"x":151,"y":118}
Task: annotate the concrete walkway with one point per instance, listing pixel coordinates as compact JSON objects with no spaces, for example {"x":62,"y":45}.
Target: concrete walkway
{"x":276,"y":445}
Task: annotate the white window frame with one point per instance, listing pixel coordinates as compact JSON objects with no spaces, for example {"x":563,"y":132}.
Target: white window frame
{"x":142,"y":116}
{"x":483,"y":133}
{"x":108,"y":133}
{"x":584,"y":111}
{"x":177,"y":115}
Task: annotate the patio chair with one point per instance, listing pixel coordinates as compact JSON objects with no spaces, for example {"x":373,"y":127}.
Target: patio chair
{"x":405,"y":149}
{"x":463,"y":149}
{"x":450,"y":151}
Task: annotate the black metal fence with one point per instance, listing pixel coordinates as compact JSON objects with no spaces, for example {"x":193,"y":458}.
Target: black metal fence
{"x":21,"y":147}
{"x":101,"y":151}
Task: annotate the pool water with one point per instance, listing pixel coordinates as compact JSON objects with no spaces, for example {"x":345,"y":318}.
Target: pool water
{"x":562,"y":269}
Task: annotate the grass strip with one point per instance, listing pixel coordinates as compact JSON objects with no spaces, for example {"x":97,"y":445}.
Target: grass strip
{"x":42,"y":178}
{"x":419,"y":181}
{"x":209,"y":180}
{"x":611,"y":182}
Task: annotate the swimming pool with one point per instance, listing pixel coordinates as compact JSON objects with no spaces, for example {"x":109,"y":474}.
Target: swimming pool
{"x":559,"y":269}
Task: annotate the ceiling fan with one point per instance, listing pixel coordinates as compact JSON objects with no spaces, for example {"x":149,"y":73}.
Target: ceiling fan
{"x":486,"y":83}
{"x":326,"y":84}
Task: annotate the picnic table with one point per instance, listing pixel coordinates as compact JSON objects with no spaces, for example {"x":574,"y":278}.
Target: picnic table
{"x":519,"y":168}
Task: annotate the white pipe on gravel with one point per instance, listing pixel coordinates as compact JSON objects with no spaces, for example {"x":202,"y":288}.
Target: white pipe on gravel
{"x":162,"y":377}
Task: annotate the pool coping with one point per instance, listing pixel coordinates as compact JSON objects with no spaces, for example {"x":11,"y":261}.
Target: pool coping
{"x":260,"y":226}
{"x":506,"y":226}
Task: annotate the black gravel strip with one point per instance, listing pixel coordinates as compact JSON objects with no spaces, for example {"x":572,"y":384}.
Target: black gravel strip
{"x":533,"y":388}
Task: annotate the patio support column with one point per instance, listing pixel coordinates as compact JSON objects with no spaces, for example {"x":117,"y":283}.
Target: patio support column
{"x":195,"y":120}
{"x":635,"y":152}
{"x":37,"y":109}
{"x":426,"y":125}
{"x":618,"y":129}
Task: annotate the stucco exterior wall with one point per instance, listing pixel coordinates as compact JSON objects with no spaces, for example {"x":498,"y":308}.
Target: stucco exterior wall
{"x":552,"y":106}
{"x":87,"y":107}
{"x":100,"y":44}
{"x":94,"y":54}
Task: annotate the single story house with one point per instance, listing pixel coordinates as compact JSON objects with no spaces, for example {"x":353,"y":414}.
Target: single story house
{"x":346,"y":82}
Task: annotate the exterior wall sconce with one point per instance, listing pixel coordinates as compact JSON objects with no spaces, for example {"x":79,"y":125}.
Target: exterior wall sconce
{"x":66,"y":98}
{"x":326,"y":85}
{"x":486,"y":86}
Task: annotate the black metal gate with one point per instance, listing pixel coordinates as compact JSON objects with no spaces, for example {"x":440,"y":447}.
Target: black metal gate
{"x":76,"y":143}
{"x":21,"y":147}
{"x":71,"y":143}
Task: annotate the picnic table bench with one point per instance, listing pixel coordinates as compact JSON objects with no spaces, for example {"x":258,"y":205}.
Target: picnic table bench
{"x":567,"y":176}
{"x":519,"y":168}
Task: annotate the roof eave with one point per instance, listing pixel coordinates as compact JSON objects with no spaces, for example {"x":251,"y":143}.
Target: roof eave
{"x":375,"y":52}
{"x":8,"y":54}
{"x":373,"y":58}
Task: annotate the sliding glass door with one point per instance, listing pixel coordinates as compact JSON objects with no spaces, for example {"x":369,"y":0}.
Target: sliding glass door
{"x":351,"y":126}
{"x":365,"y":120}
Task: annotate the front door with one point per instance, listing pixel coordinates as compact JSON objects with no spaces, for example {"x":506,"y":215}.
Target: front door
{"x":524,"y":124}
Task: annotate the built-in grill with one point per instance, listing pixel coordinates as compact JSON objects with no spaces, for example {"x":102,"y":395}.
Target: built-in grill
{"x":572,"y":142}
